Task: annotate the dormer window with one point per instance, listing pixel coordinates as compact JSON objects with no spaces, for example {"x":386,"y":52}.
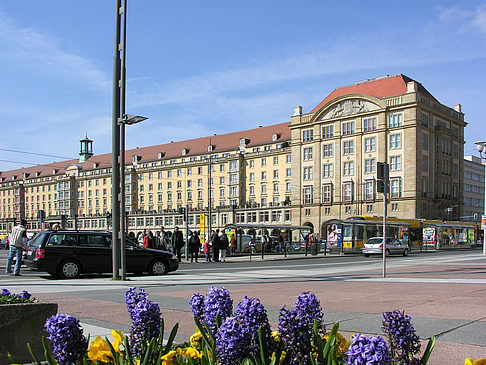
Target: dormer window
{"x":184,"y":151}
{"x":26,"y":175}
{"x":95,"y":165}
{"x":54,"y":171}
{"x":275,"y":137}
{"x":210,"y":148}
{"x":160,"y":155}
{"x":244,"y":142}
{"x":136,"y":159}
{"x":14,"y":177}
{"x":37,"y":173}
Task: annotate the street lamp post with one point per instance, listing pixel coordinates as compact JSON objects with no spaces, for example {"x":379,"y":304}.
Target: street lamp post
{"x":126,"y":119}
{"x":482,"y":154}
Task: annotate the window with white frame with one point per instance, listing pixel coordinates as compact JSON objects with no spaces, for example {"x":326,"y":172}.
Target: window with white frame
{"x":221,"y":180}
{"x":275,"y":160}
{"x":307,"y":153}
{"x":264,"y":161}
{"x":288,"y":172}
{"x":395,"y":120}
{"x":275,"y":174}
{"x":307,"y":135}
{"x":308,"y":173}
{"x":233,"y":190}
{"x":369,"y":124}
{"x":327,"y":193}
{"x":348,"y":169}
{"x":252,"y":164}
{"x":395,"y":188}
{"x":370,"y":166}
{"x":348,"y":191}
{"x":370,"y":144}
{"x":307,"y":195}
{"x":348,"y":147}
{"x":288,"y":186}
{"x":264,"y":175}
{"x":252,"y":189}
{"x":327,"y":170}
{"x":327,"y":150}
{"x":233,"y":165}
{"x":288,"y":158}
{"x":369,"y":192}
{"x":395,"y":163}
{"x":328,"y":131}
{"x":347,"y":128}
{"x":252,"y":176}
{"x":395,"y":141}
{"x":275,"y":188}
{"x":221,"y":192}
{"x":264,"y":188}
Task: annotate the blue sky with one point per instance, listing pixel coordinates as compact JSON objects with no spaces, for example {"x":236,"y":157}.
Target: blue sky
{"x":196,"y":68}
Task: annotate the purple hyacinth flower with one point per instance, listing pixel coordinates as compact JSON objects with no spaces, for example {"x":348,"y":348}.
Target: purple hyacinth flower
{"x":5,"y":292}
{"x":308,"y":307}
{"x":368,"y":351}
{"x":197,"y":303}
{"x":217,"y":302}
{"x":404,"y":342}
{"x":68,"y":341}
{"x":231,"y":342}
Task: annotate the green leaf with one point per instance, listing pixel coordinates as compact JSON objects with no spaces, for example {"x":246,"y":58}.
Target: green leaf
{"x":36,"y":360}
{"x":48,"y":352}
{"x":262,"y":346}
{"x":172,"y":335}
{"x":428,"y":350}
{"x":14,"y":361}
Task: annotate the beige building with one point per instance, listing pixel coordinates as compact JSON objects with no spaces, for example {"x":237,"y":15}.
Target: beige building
{"x":318,"y":166}
{"x":473,"y":189}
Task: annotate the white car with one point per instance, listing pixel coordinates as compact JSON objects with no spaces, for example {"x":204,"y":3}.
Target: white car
{"x":374,"y":245}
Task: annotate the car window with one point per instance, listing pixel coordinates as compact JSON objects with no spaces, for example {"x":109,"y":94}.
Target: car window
{"x":93,"y":240}
{"x":61,"y":239}
{"x":375,"y":241}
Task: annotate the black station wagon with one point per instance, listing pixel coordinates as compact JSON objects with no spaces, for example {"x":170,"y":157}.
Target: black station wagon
{"x":71,"y":253}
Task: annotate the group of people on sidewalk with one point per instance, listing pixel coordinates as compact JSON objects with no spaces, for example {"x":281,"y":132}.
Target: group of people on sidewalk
{"x":218,"y":245}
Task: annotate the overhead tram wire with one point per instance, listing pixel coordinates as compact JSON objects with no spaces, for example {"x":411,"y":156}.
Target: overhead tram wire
{"x":34,"y":153}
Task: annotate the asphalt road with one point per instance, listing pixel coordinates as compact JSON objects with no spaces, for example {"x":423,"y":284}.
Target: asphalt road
{"x":444,"y":292}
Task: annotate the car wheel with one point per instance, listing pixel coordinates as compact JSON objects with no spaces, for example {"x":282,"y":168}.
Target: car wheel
{"x":158,"y":267}
{"x":69,"y":269}
{"x":405,"y":252}
{"x":387,"y":252}
{"x":366,"y":255}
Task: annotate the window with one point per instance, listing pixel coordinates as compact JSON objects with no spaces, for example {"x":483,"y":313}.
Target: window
{"x":199,"y":182}
{"x":252,"y":164}
{"x":395,"y":141}
{"x":221,"y":168}
{"x":369,"y":190}
{"x":370,"y":145}
{"x":348,"y":147}
{"x":395,"y":188}
{"x":307,"y":153}
{"x":307,"y":135}
{"x":328,"y":131}
{"x":264,"y":175}
{"x":275,"y":188}
{"x":327,"y":193}
{"x":327,"y":150}
{"x":288,"y":158}
{"x":425,"y":163}
{"x":288,"y":187}
{"x":275,"y":174}
{"x":348,"y":168}
{"x":288,"y":172}
{"x":347,"y":128}
{"x":370,"y":166}
{"x":394,"y":120}
{"x":425,"y":141}
{"x":275,"y":160}
{"x":307,"y":173}
{"x":395,"y":163}
{"x":264,"y":188}
{"x":233,"y":165}
{"x":221,"y":192}
{"x":252,"y":189}
{"x":233,"y":178}
{"x":264,"y":162}
{"x":369,"y":124}
{"x":179,"y":172}
{"x":199,"y":194}
{"x":348,"y":191}
{"x":252,"y":176}
{"x":307,"y":195}
{"x":327,"y":170}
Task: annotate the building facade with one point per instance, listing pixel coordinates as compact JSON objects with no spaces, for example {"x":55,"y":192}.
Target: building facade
{"x":318,"y":166}
{"x":473,"y":189}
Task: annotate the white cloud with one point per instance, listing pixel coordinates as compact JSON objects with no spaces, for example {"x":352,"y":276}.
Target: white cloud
{"x":472,"y":19}
{"x":33,"y":49}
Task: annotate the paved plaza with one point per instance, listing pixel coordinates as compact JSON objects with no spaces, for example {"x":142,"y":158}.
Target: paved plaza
{"x":443,"y":292}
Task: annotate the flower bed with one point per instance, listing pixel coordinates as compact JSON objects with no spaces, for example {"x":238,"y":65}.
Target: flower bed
{"x":228,"y":337}
{"x":22,"y":321}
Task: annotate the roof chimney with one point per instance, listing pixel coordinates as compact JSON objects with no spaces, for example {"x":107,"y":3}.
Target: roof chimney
{"x":458,"y":108}
{"x":411,"y":87}
{"x":86,"y":150}
{"x":297,"y":110}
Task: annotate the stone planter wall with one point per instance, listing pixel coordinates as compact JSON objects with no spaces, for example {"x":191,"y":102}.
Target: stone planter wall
{"x":21,"y":324}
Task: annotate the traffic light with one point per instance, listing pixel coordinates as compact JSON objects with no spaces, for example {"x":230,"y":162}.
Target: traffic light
{"x":381,"y":177}
{"x":380,"y":186}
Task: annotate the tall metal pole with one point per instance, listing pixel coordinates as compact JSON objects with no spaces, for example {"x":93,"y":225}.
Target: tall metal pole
{"x":484,"y":228}
{"x":385,"y":188}
{"x":209,"y":190}
{"x":115,"y":148}
{"x":122,"y":143}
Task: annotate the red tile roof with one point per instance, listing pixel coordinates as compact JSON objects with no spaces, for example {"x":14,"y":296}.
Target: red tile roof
{"x":381,"y":87}
{"x":198,"y":146}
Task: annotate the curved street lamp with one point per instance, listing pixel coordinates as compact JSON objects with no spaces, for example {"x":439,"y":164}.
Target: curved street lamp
{"x":482,"y":154}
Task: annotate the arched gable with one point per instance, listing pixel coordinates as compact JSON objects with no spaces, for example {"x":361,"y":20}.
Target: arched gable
{"x":347,"y":105}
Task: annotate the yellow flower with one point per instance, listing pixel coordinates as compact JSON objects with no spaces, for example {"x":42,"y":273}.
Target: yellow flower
{"x":469,"y":361}
{"x":275,"y":336}
{"x":118,"y":339}
{"x":195,"y":339}
{"x":169,"y":358}
{"x":480,"y":362}
{"x":343,"y":344}
{"x":99,"y":350}
{"x":191,"y":352}
{"x":282,"y":356}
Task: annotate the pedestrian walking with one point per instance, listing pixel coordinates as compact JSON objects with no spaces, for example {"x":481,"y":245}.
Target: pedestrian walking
{"x":161,"y":239}
{"x":18,"y":241}
{"x":207,"y":250}
{"x":194,"y":245}
{"x":233,"y":243}
{"x":149,"y":240}
{"x":140,"y":237}
{"x":177,"y":242}
{"x":223,"y":246}
{"x":215,"y":245}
